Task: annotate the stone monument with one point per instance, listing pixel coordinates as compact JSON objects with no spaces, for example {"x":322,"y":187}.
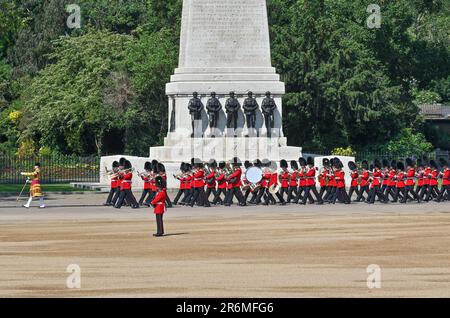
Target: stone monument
{"x":224,"y":47}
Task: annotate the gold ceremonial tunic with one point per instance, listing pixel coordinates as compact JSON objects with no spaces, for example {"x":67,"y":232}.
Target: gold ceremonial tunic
{"x":35,"y":188}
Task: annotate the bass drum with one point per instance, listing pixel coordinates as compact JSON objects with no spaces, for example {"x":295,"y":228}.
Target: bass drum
{"x":254,"y":175}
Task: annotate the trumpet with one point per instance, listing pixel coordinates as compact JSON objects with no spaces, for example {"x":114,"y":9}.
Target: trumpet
{"x":118,"y":173}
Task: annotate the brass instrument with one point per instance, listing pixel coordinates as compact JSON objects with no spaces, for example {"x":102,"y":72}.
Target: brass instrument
{"x":118,"y":173}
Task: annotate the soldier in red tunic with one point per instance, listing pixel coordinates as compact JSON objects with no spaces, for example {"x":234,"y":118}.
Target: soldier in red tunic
{"x":284,"y":179}
{"x":355,"y":177}
{"x":433,"y":191}
{"x":198,"y":194}
{"x":339,"y":175}
{"x":445,"y":175}
{"x":400,"y":183}
{"x":188,"y":184}
{"x":115,"y":188}
{"x":302,"y":180}
{"x":410,"y":182}
{"x":211,"y":180}
{"x":125,"y":191}
{"x":323,"y":180}
{"x":364,"y":183}
{"x":235,"y":180}
{"x":146,"y":177}
{"x":311,"y":183}
{"x":159,"y":205}
{"x":246,"y":184}
{"x":221,"y":184}
{"x":181,"y":177}
{"x":375,"y":186}
{"x":293,"y":181}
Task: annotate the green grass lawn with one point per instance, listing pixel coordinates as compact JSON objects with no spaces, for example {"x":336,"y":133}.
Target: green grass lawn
{"x":16,"y":188}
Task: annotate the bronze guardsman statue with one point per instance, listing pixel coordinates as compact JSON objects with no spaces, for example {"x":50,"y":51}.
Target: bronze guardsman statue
{"x":268,"y":109}
{"x":250,"y":107}
{"x":195,"y":109}
{"x":232,"y":107}
{"x":213,"y":106}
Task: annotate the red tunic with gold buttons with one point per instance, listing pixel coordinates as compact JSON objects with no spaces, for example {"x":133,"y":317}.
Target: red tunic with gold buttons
{"x":400,"y":180}
{"x":302,"y":177}
{"x":376,"y":178}
{"x":311,"y":177}
{"x":211,"y":180}
{"x":446,"y":177}
{"x":126,"y":181}
{"x":354,"y":176}
{"x":147,"y":183}
{"x":434,"y":177}
{"x":391,"y":178}
{"x":221,"y":182}
{"x":293,"y":182}
{"x":426,"y":176}
{"x":410,"y":177}
{"x":365,"y":178}
{"x":340,"y":179}
{"x":199,"y":181}
{"x":284,"y":179}
{"x":159,"y":202}
{"x":323,"y":178}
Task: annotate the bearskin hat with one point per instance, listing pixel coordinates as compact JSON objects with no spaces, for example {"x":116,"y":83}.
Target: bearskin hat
{"x":222,"y":164}
{"x":434,"y":164}
{"x":115,"y":164}
{"x":257,"y":163}
{"x":159,"y":182}
{"x":122,"y":162}
{"x":294,"y":165}
{"x":265,"y":163}
{"x":400,"y":166}
{"x":247,"y":164}
{"x":352,"y":166}
{"x":377,"y":163}
{"x":393,"y":164}
{"x":302,"y":161}
{"x":409,"y":162}
{"x":326,"y":162}
{"x":127,"y":164}
{"x":283,"y":163}
{"x":236,"y":162}
{"x":212,"y":163}
{"x":443,"y":162}
{"x":365,"y":165}
{"x":161,"y":168}
{"x":148,"y":166}
{"x":310,"y":161}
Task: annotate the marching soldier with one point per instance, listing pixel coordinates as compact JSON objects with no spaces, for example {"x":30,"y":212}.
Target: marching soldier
{"x":198,"y":194}
{"x":409,"y":186}
{"x":221,"y":185}
{"x":235,"y":180}
{"x":153,"y":174}
{"x":181,"y":177}
{"x":245,"y":182}
{"x":261,"y":186}
{"x":188,"y":184}
{"x":147,"y":182}
{"x":284,"y":179}
{"x":311,"y":183}
{"x":355,"y":177}
{"x":302,"y":180}
{"x":35,"y":187}
{"x":364,"y":185}
{"x":375,"y":186}
{"x":125,"y":191}
{"x":211,"y":180}
{"x":390,"y":190}
{"x":400,"y":183}
{"x":119,"y":183}
{"x":433,"y":191}
{"x":162,"y":173}
{"x":445,"y":174}
{"x":340,"y":192}
{"x":293,"y":181}
{"x":323,"y":180}
{"x":114,"y":183}
{"x":426,"y":180}
{"x":159,"y":205}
